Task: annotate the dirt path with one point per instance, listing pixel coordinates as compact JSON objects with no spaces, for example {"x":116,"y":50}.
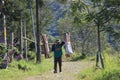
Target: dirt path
{"x":70,"y":69}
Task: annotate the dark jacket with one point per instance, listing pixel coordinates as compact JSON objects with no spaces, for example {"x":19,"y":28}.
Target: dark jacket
{"x":57,"y":49}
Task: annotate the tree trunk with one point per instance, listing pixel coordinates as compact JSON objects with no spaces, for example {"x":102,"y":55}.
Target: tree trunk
{"x":33,"y":27}
{"x":46,"y":46}
{"x":21,"y":38}
{"x":12,"y":42}
{"x":99,"y":53}
{"x":83,"y":48}
{"x":25,"y":41}
{"x":5,"y":35}
{"x":38,"y":55}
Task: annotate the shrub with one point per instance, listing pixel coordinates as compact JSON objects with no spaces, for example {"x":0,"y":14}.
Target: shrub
{"x":110,"y":75}
{"x":22,"y":65}
{"x":2,"y":50}
{"x":31,"y":55}
{"x":111,"y":71}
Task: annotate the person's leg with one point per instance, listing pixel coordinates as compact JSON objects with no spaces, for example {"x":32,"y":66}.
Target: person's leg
{"x":60,"y":64}
{"x":55,"y":65}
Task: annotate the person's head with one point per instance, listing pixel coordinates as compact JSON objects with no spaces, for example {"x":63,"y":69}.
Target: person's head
{"x":57,"y":41}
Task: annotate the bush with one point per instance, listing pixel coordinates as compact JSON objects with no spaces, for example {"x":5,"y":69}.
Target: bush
{"x":32,"y":46}
{"x":22,"y":65}
{"x":110,"y":75}
{"x":31,"y":55}
{"x":2,"y":50}
{"x":111,"y":71}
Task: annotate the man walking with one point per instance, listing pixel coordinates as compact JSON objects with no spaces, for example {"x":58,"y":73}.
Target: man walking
{"x":57,"y":48}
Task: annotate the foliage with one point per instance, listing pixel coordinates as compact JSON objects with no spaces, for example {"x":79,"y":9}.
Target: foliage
{"x":2,"y":51}
{"x":31,"y":69}
{"x":31,"y":55}
{"x":62,"y":1}
{"x":100,"y":12}
{"x":83,"y":33}
{"x":22,"y":65}
{"x":65,"y":24}
{"x":82,"y":19}
{"x":32,"y":46}
{"x":46,"y":17}
{"x":110,"y":75}
{"x":20,"y":9}
{"x":106,"y":12}
{"x":111,"y":72}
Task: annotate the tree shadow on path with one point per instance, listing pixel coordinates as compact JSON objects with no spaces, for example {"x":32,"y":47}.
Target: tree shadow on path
{"x":79,"y":58}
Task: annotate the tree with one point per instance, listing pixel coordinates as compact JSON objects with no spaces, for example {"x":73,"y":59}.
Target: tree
{"x":38,"y":56}
{"x":46,"y":18}
{"x":101,"y":13}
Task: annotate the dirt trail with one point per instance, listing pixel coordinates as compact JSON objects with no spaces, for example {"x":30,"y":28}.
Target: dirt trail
{"x":70,"y":69}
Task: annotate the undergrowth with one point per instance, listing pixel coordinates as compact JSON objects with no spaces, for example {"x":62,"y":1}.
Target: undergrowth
{"x":111,"y":71}
{"x":19,"y":70}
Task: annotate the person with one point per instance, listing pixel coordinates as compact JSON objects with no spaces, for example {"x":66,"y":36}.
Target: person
{"x":57,"y":48}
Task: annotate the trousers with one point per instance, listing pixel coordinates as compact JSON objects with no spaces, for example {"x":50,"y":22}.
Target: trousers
{"x":59,"y":61}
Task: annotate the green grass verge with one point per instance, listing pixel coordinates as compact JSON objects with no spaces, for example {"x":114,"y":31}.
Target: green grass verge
{"x":111,"y":71}
{"x":31,"y":68}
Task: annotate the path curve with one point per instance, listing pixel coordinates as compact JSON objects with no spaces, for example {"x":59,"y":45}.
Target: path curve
{"x":70,"y":70}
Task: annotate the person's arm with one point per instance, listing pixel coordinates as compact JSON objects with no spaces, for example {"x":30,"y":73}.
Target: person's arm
{"x":62,"y":43}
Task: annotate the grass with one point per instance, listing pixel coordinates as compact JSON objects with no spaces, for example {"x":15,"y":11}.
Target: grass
{"x":111,"y":71}
{"x":13,"y":73}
